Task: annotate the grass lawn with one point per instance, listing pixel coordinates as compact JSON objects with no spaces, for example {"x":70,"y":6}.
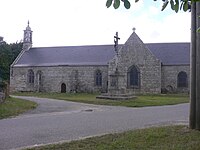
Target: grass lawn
{"x":14,"y":106}
{"x":140,"y":101}
{"x":157,"y":138}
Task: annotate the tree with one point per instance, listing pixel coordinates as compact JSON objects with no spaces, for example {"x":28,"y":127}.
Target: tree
{"x":194,"y":7}
{"x":175,"y":4}
{"x":195,"y":68}
{"x":8,"y":53}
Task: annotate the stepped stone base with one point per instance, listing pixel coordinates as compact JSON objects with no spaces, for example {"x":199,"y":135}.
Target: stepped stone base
{"x":116,"y":96}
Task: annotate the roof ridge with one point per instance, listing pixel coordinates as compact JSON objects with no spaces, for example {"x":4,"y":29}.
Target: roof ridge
{"x":74,"y":46}
{"x":170,"y":43}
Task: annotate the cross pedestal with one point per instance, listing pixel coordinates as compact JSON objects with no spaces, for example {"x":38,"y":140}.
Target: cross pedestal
{"x":116,"y":91}
{"x":116,"y":88}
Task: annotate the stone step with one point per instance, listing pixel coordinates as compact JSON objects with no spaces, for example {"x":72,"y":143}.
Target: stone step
{"x":116,"y":97}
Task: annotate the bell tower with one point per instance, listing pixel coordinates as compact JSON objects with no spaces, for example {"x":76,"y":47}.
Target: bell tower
{"x":27,"y":41}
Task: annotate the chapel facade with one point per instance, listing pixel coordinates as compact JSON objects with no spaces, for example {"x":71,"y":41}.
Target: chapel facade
{"x":133,"y":67}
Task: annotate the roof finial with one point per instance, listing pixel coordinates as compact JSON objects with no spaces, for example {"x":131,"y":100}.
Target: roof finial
{"x":134,"y":29}
{"x":28,"y":22}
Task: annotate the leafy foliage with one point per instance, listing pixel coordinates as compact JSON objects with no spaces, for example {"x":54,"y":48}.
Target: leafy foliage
{"x":176,"y":5}
{"x":127,"y":4}
{"x":116,"y":3}
{"x":8,"y":53}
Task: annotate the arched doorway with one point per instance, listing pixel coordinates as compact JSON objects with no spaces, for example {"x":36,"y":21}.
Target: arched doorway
{"x":63,"y":88}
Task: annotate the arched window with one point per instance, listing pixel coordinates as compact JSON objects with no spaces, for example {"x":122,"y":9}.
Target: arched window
{"x":39,"y":80}
{"x":98,"y":78}
{"x":39,"y":77}
{"x":63,"y":88}
{"x":30,"y":76}
{"x":182,"y":79}
{"x":133,"y":77}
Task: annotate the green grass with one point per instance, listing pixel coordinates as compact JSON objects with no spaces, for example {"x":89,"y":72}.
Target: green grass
{"x":157,"y":138}
{"x":14,"y":106}
{"x":140,"y":101}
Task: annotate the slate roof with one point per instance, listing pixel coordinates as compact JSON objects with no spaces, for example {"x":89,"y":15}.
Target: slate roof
{"x":171,"y":53}
{"x":69,"y":55}
{"x":168,"y":53}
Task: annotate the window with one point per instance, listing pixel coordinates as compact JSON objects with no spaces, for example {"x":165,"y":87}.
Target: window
{"x":133,"y":77}
{"x":39,"y":77}
{"x":30,"y":76}
{"x":98,"y":78}
{"x":39,"y":80}
{"x":182,"y":79}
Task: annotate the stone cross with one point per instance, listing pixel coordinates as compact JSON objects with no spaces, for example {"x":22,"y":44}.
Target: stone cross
{"x":115,"y":79}
{"x":116,"y":39}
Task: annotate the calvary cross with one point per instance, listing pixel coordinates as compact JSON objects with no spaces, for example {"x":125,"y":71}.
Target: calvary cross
{"x":116,"y":39}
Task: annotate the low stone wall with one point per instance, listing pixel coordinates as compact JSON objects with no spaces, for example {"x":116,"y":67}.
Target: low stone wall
{"x":2,"y":97}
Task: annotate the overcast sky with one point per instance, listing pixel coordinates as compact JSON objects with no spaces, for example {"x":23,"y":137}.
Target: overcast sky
{"x":89,"y":22}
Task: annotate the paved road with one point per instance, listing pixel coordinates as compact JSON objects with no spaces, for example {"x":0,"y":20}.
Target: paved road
{"x":55,"y":121}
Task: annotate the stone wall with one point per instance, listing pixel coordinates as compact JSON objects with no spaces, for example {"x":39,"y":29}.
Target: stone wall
{"x":135,"y":53}
{"x":53,"y":77}
{"x":169,"y":77}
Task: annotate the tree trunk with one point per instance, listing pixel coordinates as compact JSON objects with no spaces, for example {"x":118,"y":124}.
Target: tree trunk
{"x":198,"y":68}
{"x":193,"y":69}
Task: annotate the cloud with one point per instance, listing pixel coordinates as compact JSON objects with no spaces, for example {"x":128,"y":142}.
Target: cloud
{"x":154,"y":27}
{"x":89,"y":22}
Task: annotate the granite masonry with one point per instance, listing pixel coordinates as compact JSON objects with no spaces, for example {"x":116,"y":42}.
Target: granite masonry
{"x":134,"y":68}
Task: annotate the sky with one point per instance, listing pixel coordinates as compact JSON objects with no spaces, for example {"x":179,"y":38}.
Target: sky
{"x":90,"y":22}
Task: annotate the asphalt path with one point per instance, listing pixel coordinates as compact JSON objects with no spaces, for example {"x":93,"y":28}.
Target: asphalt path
{"x":56,"y":120}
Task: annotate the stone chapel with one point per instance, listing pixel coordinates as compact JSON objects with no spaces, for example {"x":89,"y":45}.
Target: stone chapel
{"x":133,"y":67}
